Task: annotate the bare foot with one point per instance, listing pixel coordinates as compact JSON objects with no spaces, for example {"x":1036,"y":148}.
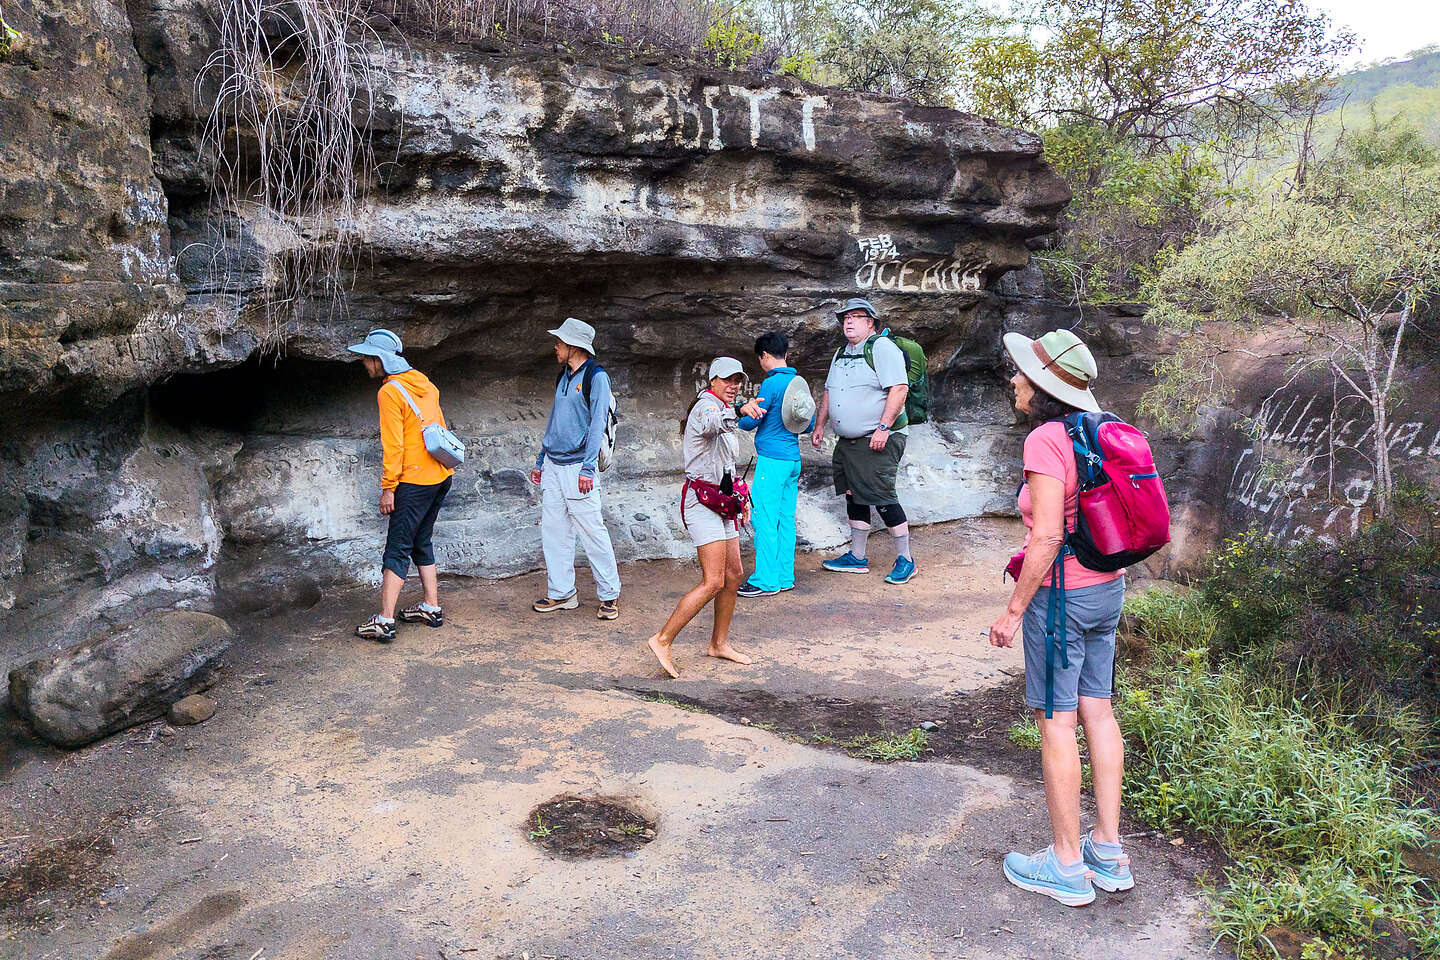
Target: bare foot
{"x":727,"y":652}
{"x":662,"y":653}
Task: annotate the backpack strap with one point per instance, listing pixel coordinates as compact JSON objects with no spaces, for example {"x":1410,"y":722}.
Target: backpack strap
{"x":591,"y":368}
{"x":408,"y":399}
{"x":587,"y":370}
{"x":1088,"y":460}
{"x":1055,"y":629}
{"x":902,"y":419}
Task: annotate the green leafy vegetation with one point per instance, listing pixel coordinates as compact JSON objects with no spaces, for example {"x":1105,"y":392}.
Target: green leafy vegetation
{"x":1025,"y":734}
{"x":1147,"y":109}
{"x":1277,"y":708}
{"x":541,"y":831}
{"x":672,"y":702}
{"x":910,"y":745}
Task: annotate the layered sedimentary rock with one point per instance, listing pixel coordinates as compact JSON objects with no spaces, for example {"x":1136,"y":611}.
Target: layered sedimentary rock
{"x":166,"y":443}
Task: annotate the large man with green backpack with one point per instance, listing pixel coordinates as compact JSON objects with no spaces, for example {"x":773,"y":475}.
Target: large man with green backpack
{"x":877,"y":387}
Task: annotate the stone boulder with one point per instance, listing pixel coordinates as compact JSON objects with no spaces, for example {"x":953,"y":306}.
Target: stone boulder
{"x":191,"y":710}
{"x":119,"y":678}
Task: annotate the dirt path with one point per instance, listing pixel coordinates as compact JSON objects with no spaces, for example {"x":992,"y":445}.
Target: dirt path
{"x":356,"y":801}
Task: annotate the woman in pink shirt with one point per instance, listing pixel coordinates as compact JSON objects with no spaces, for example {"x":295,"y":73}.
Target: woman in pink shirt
{"x":1053,"y":381}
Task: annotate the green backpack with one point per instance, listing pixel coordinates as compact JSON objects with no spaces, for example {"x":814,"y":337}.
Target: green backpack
{"x":917,"y":400}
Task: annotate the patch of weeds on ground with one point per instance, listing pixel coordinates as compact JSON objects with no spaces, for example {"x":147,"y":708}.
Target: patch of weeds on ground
{"x":540,"y":832}
{"x":672,"y":702}
{"x":1246,"y":737}
{"x":1025,"y":735}
{"x":900,"y":746}
{"x":632,"y":829}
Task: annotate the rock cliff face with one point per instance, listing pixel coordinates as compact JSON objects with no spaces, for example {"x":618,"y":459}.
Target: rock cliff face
{"x":165,"y":443}
{"x":169,"y":435}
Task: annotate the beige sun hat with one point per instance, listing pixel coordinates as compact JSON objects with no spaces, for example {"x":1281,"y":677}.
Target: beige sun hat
{"x":797,"y":406}
{"x":1058,"y":363}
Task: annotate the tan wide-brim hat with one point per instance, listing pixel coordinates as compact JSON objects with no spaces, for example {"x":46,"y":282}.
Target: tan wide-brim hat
{"x":1058,"y":363}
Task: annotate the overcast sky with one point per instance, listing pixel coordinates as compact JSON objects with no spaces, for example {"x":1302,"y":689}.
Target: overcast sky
{"x":1385,"y":28}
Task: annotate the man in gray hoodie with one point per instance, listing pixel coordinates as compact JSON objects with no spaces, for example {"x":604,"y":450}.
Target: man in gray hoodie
{"x":565,"y":470}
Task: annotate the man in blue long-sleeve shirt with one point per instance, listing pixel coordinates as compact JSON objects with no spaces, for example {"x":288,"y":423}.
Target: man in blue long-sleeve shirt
{"x":777,"y":473}
{"x":565,"y":469}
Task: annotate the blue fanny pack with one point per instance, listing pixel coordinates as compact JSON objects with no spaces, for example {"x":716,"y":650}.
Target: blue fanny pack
{"x":440,"y":443}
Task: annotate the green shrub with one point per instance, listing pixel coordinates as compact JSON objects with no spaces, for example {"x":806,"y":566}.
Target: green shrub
{"x":731,"y":43}
{"x":1310,"y":807}
{"x":1238,"y":762}
{"x":1354,"y":623}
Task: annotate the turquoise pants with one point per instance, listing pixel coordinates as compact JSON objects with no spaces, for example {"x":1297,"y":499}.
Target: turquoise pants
{"x":772,"y":513}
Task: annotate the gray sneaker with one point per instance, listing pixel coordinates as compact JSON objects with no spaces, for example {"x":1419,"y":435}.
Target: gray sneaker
{"x":1110,"y":875}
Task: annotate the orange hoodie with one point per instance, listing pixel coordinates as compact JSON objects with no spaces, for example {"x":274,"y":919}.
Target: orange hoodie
{"x":406,"y":459}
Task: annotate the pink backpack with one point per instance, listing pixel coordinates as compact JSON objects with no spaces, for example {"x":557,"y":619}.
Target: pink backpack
{"x":1123,"y":515}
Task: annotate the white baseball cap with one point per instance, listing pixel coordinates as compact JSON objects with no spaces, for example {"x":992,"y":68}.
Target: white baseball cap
{"x":725,"y":368}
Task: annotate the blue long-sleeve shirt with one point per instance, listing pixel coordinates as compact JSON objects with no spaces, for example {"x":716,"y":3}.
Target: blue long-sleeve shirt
{"x":771,"y":438}
{"x":575,"y":428}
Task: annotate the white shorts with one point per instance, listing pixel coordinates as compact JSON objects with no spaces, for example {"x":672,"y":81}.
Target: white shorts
{"x":705,"y":525}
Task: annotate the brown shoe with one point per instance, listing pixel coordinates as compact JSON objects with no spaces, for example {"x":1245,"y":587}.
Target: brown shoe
{"x":547,"y":605}
{"x":609,"y":609}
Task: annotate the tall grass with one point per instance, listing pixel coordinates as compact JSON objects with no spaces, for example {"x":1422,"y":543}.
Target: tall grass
{"x":1307,"y":801}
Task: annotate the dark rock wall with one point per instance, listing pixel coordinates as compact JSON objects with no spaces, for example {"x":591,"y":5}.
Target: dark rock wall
{"x":171,"y":438}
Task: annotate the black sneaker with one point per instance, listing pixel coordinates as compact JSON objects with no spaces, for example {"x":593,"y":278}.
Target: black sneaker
{"x":748,"y":589}
{"x":418,"y":614}
{"x":376,"y":629}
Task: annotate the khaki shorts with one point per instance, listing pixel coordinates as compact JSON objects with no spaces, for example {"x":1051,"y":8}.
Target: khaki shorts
{"x":868,"y":474}
{"x":705,"y":525}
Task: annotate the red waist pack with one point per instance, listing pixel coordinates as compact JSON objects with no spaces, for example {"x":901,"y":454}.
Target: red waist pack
{"x":729,"y":505}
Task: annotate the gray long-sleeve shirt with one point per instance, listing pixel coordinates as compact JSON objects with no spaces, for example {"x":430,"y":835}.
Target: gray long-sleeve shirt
{"x":575,"y":428}
{"x":710,"y":445}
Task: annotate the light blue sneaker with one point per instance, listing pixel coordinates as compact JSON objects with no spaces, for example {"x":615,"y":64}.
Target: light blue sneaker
{"x":847,"y":563}
{"x":1041,"y":874}
{"x":902,"y":572}
{"x":1110,"y":875}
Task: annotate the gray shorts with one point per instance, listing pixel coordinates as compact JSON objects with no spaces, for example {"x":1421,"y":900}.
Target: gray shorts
{"x":705,"y":525}
{"x":1092,"y":613}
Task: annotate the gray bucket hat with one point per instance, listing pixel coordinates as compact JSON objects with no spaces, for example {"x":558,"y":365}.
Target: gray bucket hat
{"x":856,"y":303}
{"x":577,"y":333}
{"x":386,"y":346}
{"x":797,"y":407}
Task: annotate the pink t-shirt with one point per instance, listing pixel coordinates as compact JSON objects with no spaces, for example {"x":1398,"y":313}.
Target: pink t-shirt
{"x":1048,"y":451}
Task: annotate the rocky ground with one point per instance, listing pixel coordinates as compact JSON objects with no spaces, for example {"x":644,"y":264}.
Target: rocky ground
{"x":349,"y":800}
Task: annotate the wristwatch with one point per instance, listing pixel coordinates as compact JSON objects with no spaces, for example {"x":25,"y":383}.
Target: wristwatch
{"x":885,"y":427}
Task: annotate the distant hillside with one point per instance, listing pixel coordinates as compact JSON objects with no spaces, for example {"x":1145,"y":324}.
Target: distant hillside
{"x":1421,"y":68}
{"x":1408,"y":88}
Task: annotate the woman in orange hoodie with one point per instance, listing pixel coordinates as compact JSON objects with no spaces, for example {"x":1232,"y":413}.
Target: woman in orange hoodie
{"x":413,"y":484}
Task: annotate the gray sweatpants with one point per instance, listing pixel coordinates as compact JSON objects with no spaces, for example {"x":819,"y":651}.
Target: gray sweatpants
{"x":1092,"y":614}
{"x":565,"y":515}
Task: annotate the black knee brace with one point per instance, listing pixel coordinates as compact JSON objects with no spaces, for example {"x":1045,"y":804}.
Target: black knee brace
{"x":856,"y":511}
{"x":892,"y":513}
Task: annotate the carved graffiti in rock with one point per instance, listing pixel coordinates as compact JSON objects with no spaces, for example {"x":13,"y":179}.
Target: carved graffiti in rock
{"x":885,"y":269}
{"x":1307,"y":473}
